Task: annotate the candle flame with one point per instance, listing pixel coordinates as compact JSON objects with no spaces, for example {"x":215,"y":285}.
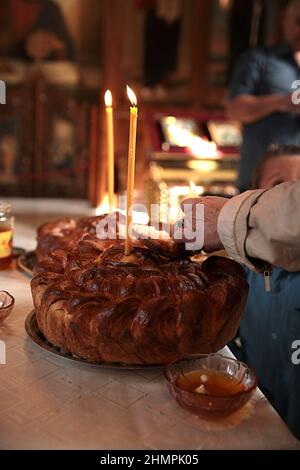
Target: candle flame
{"x":108,"y":98}
{"x":131,"y":96}
{"x":193,"y":188}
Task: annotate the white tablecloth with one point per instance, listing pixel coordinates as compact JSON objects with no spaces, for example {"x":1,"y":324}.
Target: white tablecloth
{"x":47,"y":402}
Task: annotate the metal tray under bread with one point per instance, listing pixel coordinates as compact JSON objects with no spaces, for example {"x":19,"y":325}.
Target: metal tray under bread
{"x":26,"y":262}
{"x":34,"y":333}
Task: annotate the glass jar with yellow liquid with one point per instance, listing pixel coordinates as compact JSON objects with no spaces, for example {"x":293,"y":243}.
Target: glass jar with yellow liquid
{"x":6,"y":234}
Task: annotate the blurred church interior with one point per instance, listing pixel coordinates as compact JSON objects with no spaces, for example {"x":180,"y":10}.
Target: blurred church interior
{"x":57,"y":58}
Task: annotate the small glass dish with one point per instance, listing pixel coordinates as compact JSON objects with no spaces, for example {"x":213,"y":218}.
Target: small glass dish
{"x":6,"y":305}
{"x":224,"y":385}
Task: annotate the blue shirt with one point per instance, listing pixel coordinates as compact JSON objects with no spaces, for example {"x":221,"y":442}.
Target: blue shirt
{"x":269,"y":327}
{"x":265,"y":71}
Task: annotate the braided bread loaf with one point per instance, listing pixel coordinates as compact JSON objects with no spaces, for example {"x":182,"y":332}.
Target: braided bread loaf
{"x":95,"y":303}
{"x":63,"y":234}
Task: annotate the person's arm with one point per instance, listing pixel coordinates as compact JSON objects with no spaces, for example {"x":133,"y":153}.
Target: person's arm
{"x":52,"y":21}
{"x":246,"y":102}
{"x":263,"y":225}
{"x":255,"y":228}
{"x":251,"y":108}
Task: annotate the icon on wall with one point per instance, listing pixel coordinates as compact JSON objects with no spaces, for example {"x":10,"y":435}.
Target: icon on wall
{"x":8,"y":153}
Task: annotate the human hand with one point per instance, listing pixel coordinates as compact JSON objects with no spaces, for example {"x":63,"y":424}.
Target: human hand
{"x":41,"y":43}
{"x":208,"y":222}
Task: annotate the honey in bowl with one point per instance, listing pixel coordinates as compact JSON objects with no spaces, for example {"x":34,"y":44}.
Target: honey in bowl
{"x":210,"y":386}
{"x":210,"y":382}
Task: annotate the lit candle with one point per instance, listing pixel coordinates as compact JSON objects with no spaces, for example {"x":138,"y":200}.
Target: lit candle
{"x":131,"y":167}
{"x":110,"y":148}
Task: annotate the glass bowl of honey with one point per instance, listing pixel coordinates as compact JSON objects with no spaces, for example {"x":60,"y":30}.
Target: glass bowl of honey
{"x":211,"y":386}
{"x":6,"y":305}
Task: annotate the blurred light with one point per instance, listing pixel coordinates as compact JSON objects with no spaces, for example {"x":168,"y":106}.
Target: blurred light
{"x":175,"y":213}
{"x":104,"y":206}
{"x":196,"y":190}
{"x":203,"y":148}
{"x":224,"y":4}
{"x":170,"y":120}
{"x":138,"y":217}
{"x":202,"y":165}
{"x":165,"y":146}
{"x":177,"y":191}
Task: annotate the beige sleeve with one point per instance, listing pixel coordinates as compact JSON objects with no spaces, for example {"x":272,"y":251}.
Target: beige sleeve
{"x":263,"y":225}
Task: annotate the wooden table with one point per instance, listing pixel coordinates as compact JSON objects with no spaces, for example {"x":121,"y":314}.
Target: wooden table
{"x":47,"y":402}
